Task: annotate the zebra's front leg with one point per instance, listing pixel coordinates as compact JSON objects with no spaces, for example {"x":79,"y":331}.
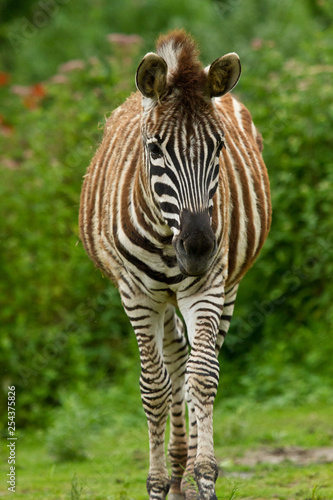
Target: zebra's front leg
{"x":156,"y":391}
{"x":175,"y":353}
{"x":202,"y":318}
{"x":202,"y":377}
{"x":187,"y":486}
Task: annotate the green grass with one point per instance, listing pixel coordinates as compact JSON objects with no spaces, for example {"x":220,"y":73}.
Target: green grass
{"x":117,"y":458}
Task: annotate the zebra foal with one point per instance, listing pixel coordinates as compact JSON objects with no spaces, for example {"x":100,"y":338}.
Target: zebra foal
{"x":175,"y":207}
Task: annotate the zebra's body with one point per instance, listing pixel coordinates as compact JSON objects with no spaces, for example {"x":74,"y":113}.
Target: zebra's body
{"x":175,"y":223}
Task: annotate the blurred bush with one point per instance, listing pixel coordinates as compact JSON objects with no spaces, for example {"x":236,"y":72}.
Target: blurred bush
{"x":55,"y":306}
{"x":283,"y":333}
{"x":62,"y":323}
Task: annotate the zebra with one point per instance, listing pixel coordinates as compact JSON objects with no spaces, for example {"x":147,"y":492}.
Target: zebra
{"x":175,"y":207}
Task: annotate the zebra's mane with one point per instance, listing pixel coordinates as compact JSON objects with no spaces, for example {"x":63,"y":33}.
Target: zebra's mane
{"x":180,"y":52}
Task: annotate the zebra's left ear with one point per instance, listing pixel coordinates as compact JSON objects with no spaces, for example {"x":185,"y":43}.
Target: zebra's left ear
{"x":223,"y":75}
{"x":151,"y":76}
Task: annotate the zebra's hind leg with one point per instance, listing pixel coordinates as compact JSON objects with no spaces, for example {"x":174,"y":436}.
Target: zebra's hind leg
{"x":175,"y":354}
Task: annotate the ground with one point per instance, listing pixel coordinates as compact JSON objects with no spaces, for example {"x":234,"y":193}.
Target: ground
{"x":264,"y":453}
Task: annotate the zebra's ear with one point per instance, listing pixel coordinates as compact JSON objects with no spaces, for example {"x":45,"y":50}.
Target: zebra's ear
{"x":151,"y":76}
{"x":222,"y":75}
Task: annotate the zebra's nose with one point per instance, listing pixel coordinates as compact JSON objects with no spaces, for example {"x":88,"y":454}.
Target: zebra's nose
{"x":196,"y":243}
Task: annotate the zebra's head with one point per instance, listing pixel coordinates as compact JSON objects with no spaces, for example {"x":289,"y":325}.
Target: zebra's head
{"x":183,"y":137}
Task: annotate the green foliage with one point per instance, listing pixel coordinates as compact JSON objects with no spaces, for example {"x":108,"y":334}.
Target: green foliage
{"x":28,"y":38}
{"x":69,"y":434}
{"x":77,"y":489}
{"x":30,"y":29}
{"x":288,"y":320}
{"x":235,"y":486}
{"x":62,"y":323}
{"x":83,"y":413}
{"x":190,"y":481}
{"x":53,"y":301}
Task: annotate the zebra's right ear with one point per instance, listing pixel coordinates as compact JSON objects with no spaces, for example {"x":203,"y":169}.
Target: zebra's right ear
{"x":151,"y":76}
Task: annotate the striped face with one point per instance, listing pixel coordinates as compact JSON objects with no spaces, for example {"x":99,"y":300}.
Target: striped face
{"x":183,"y":167}
{"x":183,"y":137}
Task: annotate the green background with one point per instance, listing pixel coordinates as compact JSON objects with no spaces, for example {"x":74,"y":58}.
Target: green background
{"x":63,"y":331}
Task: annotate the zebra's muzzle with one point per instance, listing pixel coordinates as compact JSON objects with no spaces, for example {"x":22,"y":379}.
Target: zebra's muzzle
{"x":195,"y":245}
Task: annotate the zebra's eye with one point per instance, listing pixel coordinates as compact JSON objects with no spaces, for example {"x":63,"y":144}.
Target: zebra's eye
{"x":219,"y":148}
{"x":155,"y":150}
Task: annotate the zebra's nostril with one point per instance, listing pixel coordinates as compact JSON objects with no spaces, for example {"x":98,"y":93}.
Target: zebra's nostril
{"x":181,"y":247}
{"x":214,"y":248}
